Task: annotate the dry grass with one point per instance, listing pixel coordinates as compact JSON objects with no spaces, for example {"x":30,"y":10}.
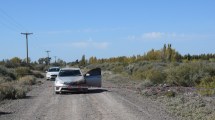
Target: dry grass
{"x":10,"y":90}
{"x":27,"y":80}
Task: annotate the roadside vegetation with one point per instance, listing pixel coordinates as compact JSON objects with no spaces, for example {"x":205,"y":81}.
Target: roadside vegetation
{"x":185,"y":84}
{"x":16,"y":77}
{"x":163,"y":67}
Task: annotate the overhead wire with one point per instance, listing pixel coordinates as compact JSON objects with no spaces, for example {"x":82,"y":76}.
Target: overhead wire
{"x":12,"y":23}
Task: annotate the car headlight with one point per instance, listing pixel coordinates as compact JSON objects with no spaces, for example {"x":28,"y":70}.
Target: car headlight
{"x":60,"y":82}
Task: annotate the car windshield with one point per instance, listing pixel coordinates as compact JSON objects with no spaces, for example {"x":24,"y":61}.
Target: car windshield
{"x":53,"y":69}
{"x":64,"y":73}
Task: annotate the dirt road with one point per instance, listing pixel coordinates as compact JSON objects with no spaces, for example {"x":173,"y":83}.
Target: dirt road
{"x":97,"y":104}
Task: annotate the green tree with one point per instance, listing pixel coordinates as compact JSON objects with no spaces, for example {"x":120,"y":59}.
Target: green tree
{"x":83,"y":61}
{"x":16,"y":60}
{"x":29,"y":60}
{"x":41,"y":60}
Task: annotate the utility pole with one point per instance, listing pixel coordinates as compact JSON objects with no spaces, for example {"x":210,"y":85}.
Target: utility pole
{"x":26,"y":34}
{"x":48,"y":56}
{"x":55,"y":58}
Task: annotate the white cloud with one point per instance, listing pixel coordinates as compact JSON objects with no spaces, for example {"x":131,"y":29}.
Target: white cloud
{"x":90,"y":44}
{"x":153,"y":35}
{"x":156,"y":36}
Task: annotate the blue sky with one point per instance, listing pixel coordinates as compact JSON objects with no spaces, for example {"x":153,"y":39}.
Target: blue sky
{"x":105,"y":28}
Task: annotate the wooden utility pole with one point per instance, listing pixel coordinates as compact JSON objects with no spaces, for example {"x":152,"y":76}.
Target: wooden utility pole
{"x":48,"y":60}
{"x":26,"y":34}
{"x":55,"y":58}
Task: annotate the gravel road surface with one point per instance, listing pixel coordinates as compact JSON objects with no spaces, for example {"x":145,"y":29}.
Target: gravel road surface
{"x":98,"y":104}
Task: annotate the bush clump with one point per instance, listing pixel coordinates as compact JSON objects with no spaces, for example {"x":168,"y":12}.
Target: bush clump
{"x":170,"y":93}
{"x":20,"y":93}
{"x":7,"y":91}
{"x":38,"y":74}
{"x":27,"y":80}
{"x":10,"y":91}
{"x":207,"y":86}
{"x":40,"y":67}
{"x":4,"y":72}
{"x":23,"y":71}
{"x":187,"y":74}
{"x":156,"y":76}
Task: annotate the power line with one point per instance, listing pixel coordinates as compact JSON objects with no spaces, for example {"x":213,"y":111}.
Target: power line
{"x":10,"y":19}
{"x":26,"y":34}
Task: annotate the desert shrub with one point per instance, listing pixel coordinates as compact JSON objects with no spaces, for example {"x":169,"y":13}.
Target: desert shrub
{"x":210,"y":68}
{"x":38,"y":74}
{"x":40,"y":67}
{"x":7,"y":91}
{"x":20,"y":92}
{"x":139,"y":75}
{"x":27,"y":80}
{"x":151,"y":71}
{"x":5,"y":79}
{"x":22,"y":71}
{"x":170,"y":93}
{"x":4,"y":72}
{"x":156,"y":76}
{"x":187,"y":74}
{"x":10,"y":90}
{"x":115,"y":67}
{"x":9,"y":64}
{"x":207,"y":86}
{"x":118,"y":69}
{"x":145,"y":84}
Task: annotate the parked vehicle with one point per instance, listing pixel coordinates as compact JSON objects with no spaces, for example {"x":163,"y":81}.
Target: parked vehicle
{"x":52,"y":73}
{"x":72,"y":79}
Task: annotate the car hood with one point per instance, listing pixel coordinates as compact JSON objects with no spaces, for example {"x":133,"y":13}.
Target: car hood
{"x":72,"y":79}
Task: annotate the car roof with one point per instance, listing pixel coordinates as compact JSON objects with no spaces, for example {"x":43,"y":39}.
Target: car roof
{"x":53,"y":67}
{"x":70,"y":68}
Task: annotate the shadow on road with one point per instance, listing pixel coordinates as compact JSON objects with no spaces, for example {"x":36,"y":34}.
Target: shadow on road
{"x":28,"y":97}
{"x":4,"y":113}
{"x":90,"y":91}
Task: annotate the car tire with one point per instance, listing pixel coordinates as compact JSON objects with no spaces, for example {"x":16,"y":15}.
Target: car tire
{"x":85,"y":90}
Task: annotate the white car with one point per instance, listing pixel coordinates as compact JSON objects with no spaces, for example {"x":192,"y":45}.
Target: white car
{"x":72,"y":79}
{"x":52,"y":73}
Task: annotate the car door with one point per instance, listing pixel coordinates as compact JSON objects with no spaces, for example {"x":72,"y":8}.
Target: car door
{"x":93,"y":78}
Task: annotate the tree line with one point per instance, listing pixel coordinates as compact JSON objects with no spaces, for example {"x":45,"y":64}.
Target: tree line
{"x":166,"y":54}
